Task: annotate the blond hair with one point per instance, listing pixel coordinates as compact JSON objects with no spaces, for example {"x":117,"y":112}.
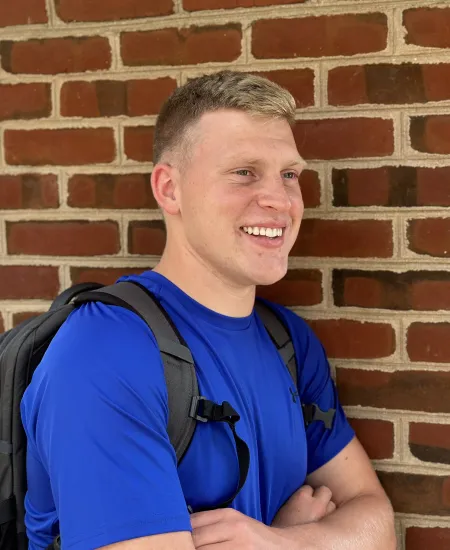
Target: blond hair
{"x":253,"y":94}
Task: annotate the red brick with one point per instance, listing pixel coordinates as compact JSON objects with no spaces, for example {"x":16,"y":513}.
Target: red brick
{"x":416,"y":493}
{"x":115,"y":98}
{"x":300,"y":287}
{"x":113,"y":10}
{"x":432,"y":186}
{"x":111,"y":191}
{"x":429,"y":27}
{"x":429,"y":342}
{"x":418,"y":538}
{"x":299,"y":82}
{"x":419,"y":290}
{"x":376,"y":436}
{"x":56,"y":55}
{"x":185,"y":46}
{"x":436,"y":81}
{"x":338,"y":138}
{"x":195,"y":5}
{"x":348,"y":339}
{"x":138,"y":142}
{"x":59,"y":146}
{"x":104,"y":276}
{"x":147,"y":237}
{"x":431,"y":134}
{"x":350,"y":238}
{"x":411,"y":390}
{"x":430,"y":442}
{"x":22,"y":12}
{"x":361,"y":187}
{"x":430,"y":236}
{"x":28,"y":282}
{"x":377,"y":84}
{"x":25,"y":101}
{"x":310,"y":186}
{"x":34,"y":191}
{"x":65,"y":238}
{"x":322,"y":36}
{"x":24,"y":315}
{"x":2,"y":324}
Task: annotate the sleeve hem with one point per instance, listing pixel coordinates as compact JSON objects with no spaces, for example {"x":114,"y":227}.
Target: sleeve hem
{"x":345,"y":439}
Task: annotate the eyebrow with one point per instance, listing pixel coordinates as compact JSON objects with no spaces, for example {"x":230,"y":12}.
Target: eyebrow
{"x":255,"y":161}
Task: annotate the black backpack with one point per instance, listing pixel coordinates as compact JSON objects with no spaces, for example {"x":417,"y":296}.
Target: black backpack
{"x":22,"y":349}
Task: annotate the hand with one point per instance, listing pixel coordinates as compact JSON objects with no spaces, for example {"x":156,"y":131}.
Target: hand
{"x":305,"y":506}
{"x":228,"y":529}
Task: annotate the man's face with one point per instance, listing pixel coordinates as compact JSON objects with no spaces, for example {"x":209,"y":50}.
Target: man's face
{"x":240,"y":181}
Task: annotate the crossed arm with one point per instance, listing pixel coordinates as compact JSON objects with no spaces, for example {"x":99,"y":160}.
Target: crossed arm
{"x":358,"y":517}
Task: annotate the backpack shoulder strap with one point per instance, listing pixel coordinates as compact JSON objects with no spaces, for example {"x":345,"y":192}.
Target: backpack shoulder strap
{"x":179,"y":369}
{"x":281,"y":337}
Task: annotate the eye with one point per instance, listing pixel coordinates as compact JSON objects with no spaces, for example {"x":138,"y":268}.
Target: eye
{"x":243,"y":172}
{"x":290,"y":175}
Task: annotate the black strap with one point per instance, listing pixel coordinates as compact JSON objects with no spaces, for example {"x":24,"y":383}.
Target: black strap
{"x":282,"y":339}
{"x":204,"y":410}
{"x":179,"y":369}
{"x":7,"y":510}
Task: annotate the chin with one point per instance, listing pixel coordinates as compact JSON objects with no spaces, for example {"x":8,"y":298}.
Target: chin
{"x":269,"y":277}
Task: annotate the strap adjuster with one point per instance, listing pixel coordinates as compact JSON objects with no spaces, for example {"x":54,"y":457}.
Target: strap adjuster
{"x":204,"y":410}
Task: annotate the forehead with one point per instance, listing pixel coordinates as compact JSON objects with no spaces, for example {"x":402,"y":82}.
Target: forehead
{"x":236,"y":134}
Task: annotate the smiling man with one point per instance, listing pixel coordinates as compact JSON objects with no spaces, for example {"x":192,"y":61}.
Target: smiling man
{"x":101,"y":468}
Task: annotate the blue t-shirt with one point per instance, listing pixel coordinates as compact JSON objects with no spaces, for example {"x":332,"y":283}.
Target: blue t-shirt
{"x":101,"y":468}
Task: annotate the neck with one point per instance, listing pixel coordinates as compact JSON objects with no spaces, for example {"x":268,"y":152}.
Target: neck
{"x":207,"y":287}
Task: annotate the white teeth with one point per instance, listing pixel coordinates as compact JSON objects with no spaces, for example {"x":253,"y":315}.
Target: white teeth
{"x":266,"y":231}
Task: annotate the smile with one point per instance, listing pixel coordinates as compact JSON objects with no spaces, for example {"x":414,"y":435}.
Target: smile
{"x":271,"y":232}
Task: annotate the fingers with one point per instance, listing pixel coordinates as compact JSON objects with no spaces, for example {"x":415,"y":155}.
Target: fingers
{"x":323,"y":494}
{"x":331,"y":507}
{"x":211,"y":534}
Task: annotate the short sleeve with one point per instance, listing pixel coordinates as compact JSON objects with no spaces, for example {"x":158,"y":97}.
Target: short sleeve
{"x":316,"y":385}
{"x":96,"y":418}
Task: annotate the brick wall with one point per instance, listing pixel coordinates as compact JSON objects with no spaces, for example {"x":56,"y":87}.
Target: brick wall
{"x":80,"y":85}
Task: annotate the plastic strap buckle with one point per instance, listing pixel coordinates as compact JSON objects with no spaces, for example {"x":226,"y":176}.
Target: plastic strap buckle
{"x":204,"y":410}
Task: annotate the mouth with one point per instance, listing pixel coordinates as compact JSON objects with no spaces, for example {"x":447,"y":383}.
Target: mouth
{"x":271,"y":237}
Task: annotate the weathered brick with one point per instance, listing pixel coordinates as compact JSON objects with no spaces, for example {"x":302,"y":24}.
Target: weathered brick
{"x":310,"y":186}
{"x":376,"y":436}
{"x":146,"y":237}
{"x":430,"y":236}
{"x":351,"y":238}
{"x":431,"y":134}
{"x":416,"y":493}
{"x":113,"y":10}
{"x":111,"y":191}
{"x":299,"y":287}
{"x":23,"y":12}
{"x":105,"y":98}
{"x":429,"y":342}
{"x":185,"y":46}
{"x":56,"y":55}
{"x":420,"y":290}
{"x":429,"y":27}
{"x":418,"y":538}
{"x":74,"y":146}
{"x":323,"y":36}
{"x":28,"y":191}
{"x":138,"y":142}
{"x":430,"y":442}
{"x":345,"y":338}
{"x":2,"y":324}
{"x":399,"y":186}
{"x":65,"y":238}
{"x":25,"y":101}
{"x":195,"y":5}
{"x":102,"y":275}
{"x":300,"y":82}
{"x":413,"y":390}
{"x":339,"y":138}
{"x":21,"y":282}
{"x":22,"y":316}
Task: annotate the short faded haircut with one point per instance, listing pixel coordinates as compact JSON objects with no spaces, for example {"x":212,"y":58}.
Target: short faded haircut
{"x":241,"y":91}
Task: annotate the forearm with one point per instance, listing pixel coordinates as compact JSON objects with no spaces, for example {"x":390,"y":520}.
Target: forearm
{"x":366,"y":523}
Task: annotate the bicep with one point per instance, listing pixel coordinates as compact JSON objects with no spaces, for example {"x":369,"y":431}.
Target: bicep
{"x":168,"y":541}
{"x":349,"y":474}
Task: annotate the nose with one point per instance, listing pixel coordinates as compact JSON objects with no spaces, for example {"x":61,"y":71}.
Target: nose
{"x":274,"y":195}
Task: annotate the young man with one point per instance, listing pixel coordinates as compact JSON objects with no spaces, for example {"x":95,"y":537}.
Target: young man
{"x":101,"y":469}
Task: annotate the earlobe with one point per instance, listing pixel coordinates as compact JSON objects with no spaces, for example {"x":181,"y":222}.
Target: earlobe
{"x":164,"y":187}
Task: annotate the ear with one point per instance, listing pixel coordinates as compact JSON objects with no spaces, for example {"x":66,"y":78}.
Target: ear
{"x":164,"y":184}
